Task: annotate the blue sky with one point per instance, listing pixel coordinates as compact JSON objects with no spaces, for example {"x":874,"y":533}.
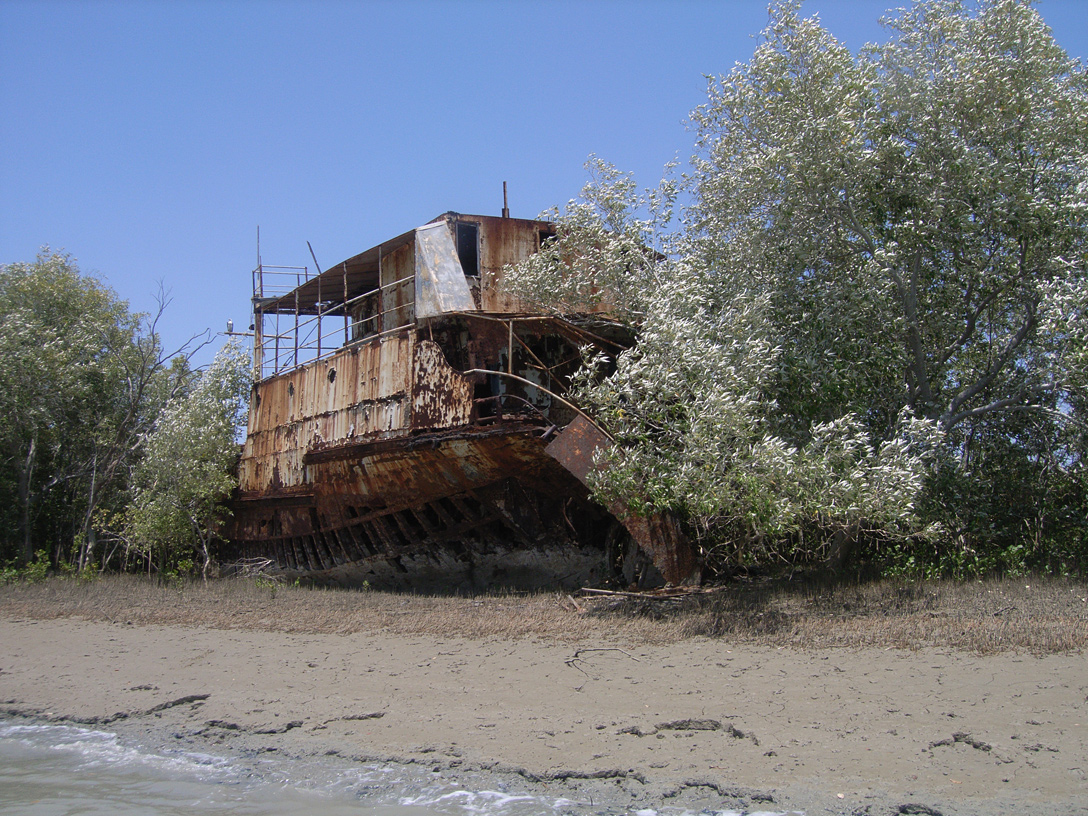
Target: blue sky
{"x":151,"y":139}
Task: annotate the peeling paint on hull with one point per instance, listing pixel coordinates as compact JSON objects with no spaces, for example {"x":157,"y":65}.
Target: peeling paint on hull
{"x":461,"y":510}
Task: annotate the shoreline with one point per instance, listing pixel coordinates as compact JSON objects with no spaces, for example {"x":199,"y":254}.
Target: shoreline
{"x":703,"y":723}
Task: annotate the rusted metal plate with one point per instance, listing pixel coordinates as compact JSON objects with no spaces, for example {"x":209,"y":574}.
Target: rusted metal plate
{"x":398,"y":292}
{"x":576,"y":447}
{"x":363,"y":391}
{"x":504,"y":241}
{"x":440,"y":282}
{"x":659,"y":535}
{"x":441,"y":396}
{"x":504,"y":534}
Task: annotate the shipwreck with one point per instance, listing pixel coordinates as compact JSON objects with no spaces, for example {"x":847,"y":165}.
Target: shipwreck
{"x":408,"y":426}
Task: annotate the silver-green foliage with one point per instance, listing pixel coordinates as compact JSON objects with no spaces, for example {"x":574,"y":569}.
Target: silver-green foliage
{"x":882,"y":250}
{"x":187,"y":469}
{"x":917,"y":214}
{"x":918,"y":211}
{"x":607,"y":252}
{"x":690,"y":405}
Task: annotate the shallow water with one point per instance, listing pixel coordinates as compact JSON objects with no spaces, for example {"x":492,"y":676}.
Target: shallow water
{"x":49,"y":770}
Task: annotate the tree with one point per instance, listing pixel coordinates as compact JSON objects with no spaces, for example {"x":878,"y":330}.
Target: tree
{"x":917,"y":215}
{"x":930,"y":192}
{"x":906,"y":229}
{"x":691,"y":405}
{"x":79,"y":379}
{"x":189,"y":461}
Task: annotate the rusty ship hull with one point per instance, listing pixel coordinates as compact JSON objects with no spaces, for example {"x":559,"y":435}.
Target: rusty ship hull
{"x":443,"y":512}
{"x":424,"y":443}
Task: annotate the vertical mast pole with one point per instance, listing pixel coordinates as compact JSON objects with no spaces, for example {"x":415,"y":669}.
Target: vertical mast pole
{"x":258,"y":314}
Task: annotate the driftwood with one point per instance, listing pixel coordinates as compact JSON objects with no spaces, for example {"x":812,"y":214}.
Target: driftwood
{"x":663,"y":594}
{"x":576,"y":658}
{"x":252,"y":568}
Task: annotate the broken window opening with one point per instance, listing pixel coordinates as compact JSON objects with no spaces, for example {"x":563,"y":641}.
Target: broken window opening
{"x":468,"y":247}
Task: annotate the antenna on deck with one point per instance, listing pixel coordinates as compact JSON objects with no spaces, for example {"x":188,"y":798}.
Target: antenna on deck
{"x":505,"y":208}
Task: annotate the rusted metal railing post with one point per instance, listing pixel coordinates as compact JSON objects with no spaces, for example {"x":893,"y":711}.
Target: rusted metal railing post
{"x":510,"y":348}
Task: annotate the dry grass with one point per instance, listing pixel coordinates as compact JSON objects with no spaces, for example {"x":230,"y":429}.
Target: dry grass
{"x":1037,"y":615}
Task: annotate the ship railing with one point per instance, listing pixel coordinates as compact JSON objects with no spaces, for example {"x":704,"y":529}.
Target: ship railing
{"x":304,"y":340}
{"x":555,"y":397}
{"x":276,"y":281}
{"x":492,"y":411}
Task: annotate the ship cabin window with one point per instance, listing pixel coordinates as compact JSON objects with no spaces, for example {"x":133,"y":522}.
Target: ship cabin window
{"x":468,"y":247}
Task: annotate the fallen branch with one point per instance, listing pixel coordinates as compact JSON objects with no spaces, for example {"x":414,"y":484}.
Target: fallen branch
{"x":664,"y":594}
{"x":577,"y":657}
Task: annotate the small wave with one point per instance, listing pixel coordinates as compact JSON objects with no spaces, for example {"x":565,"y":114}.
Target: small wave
{"x":98,"y":749}
{"x":70,"y":766}
{"x":478,"y":802}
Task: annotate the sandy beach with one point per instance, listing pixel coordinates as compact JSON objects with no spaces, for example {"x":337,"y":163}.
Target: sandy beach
{"x":702,"y":723}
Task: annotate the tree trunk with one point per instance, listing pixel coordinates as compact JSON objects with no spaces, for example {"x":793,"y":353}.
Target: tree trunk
{"x":842,"y":547}
{"x":25,"y":477}
{"x":86,"y":556}
{"x":87,"y":537}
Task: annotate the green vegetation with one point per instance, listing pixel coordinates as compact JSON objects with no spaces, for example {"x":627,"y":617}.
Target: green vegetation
{"x":186,"y":472}
{"x":92,"y":407}
{"x":862,"y":339}
{"x":864,"y":336}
